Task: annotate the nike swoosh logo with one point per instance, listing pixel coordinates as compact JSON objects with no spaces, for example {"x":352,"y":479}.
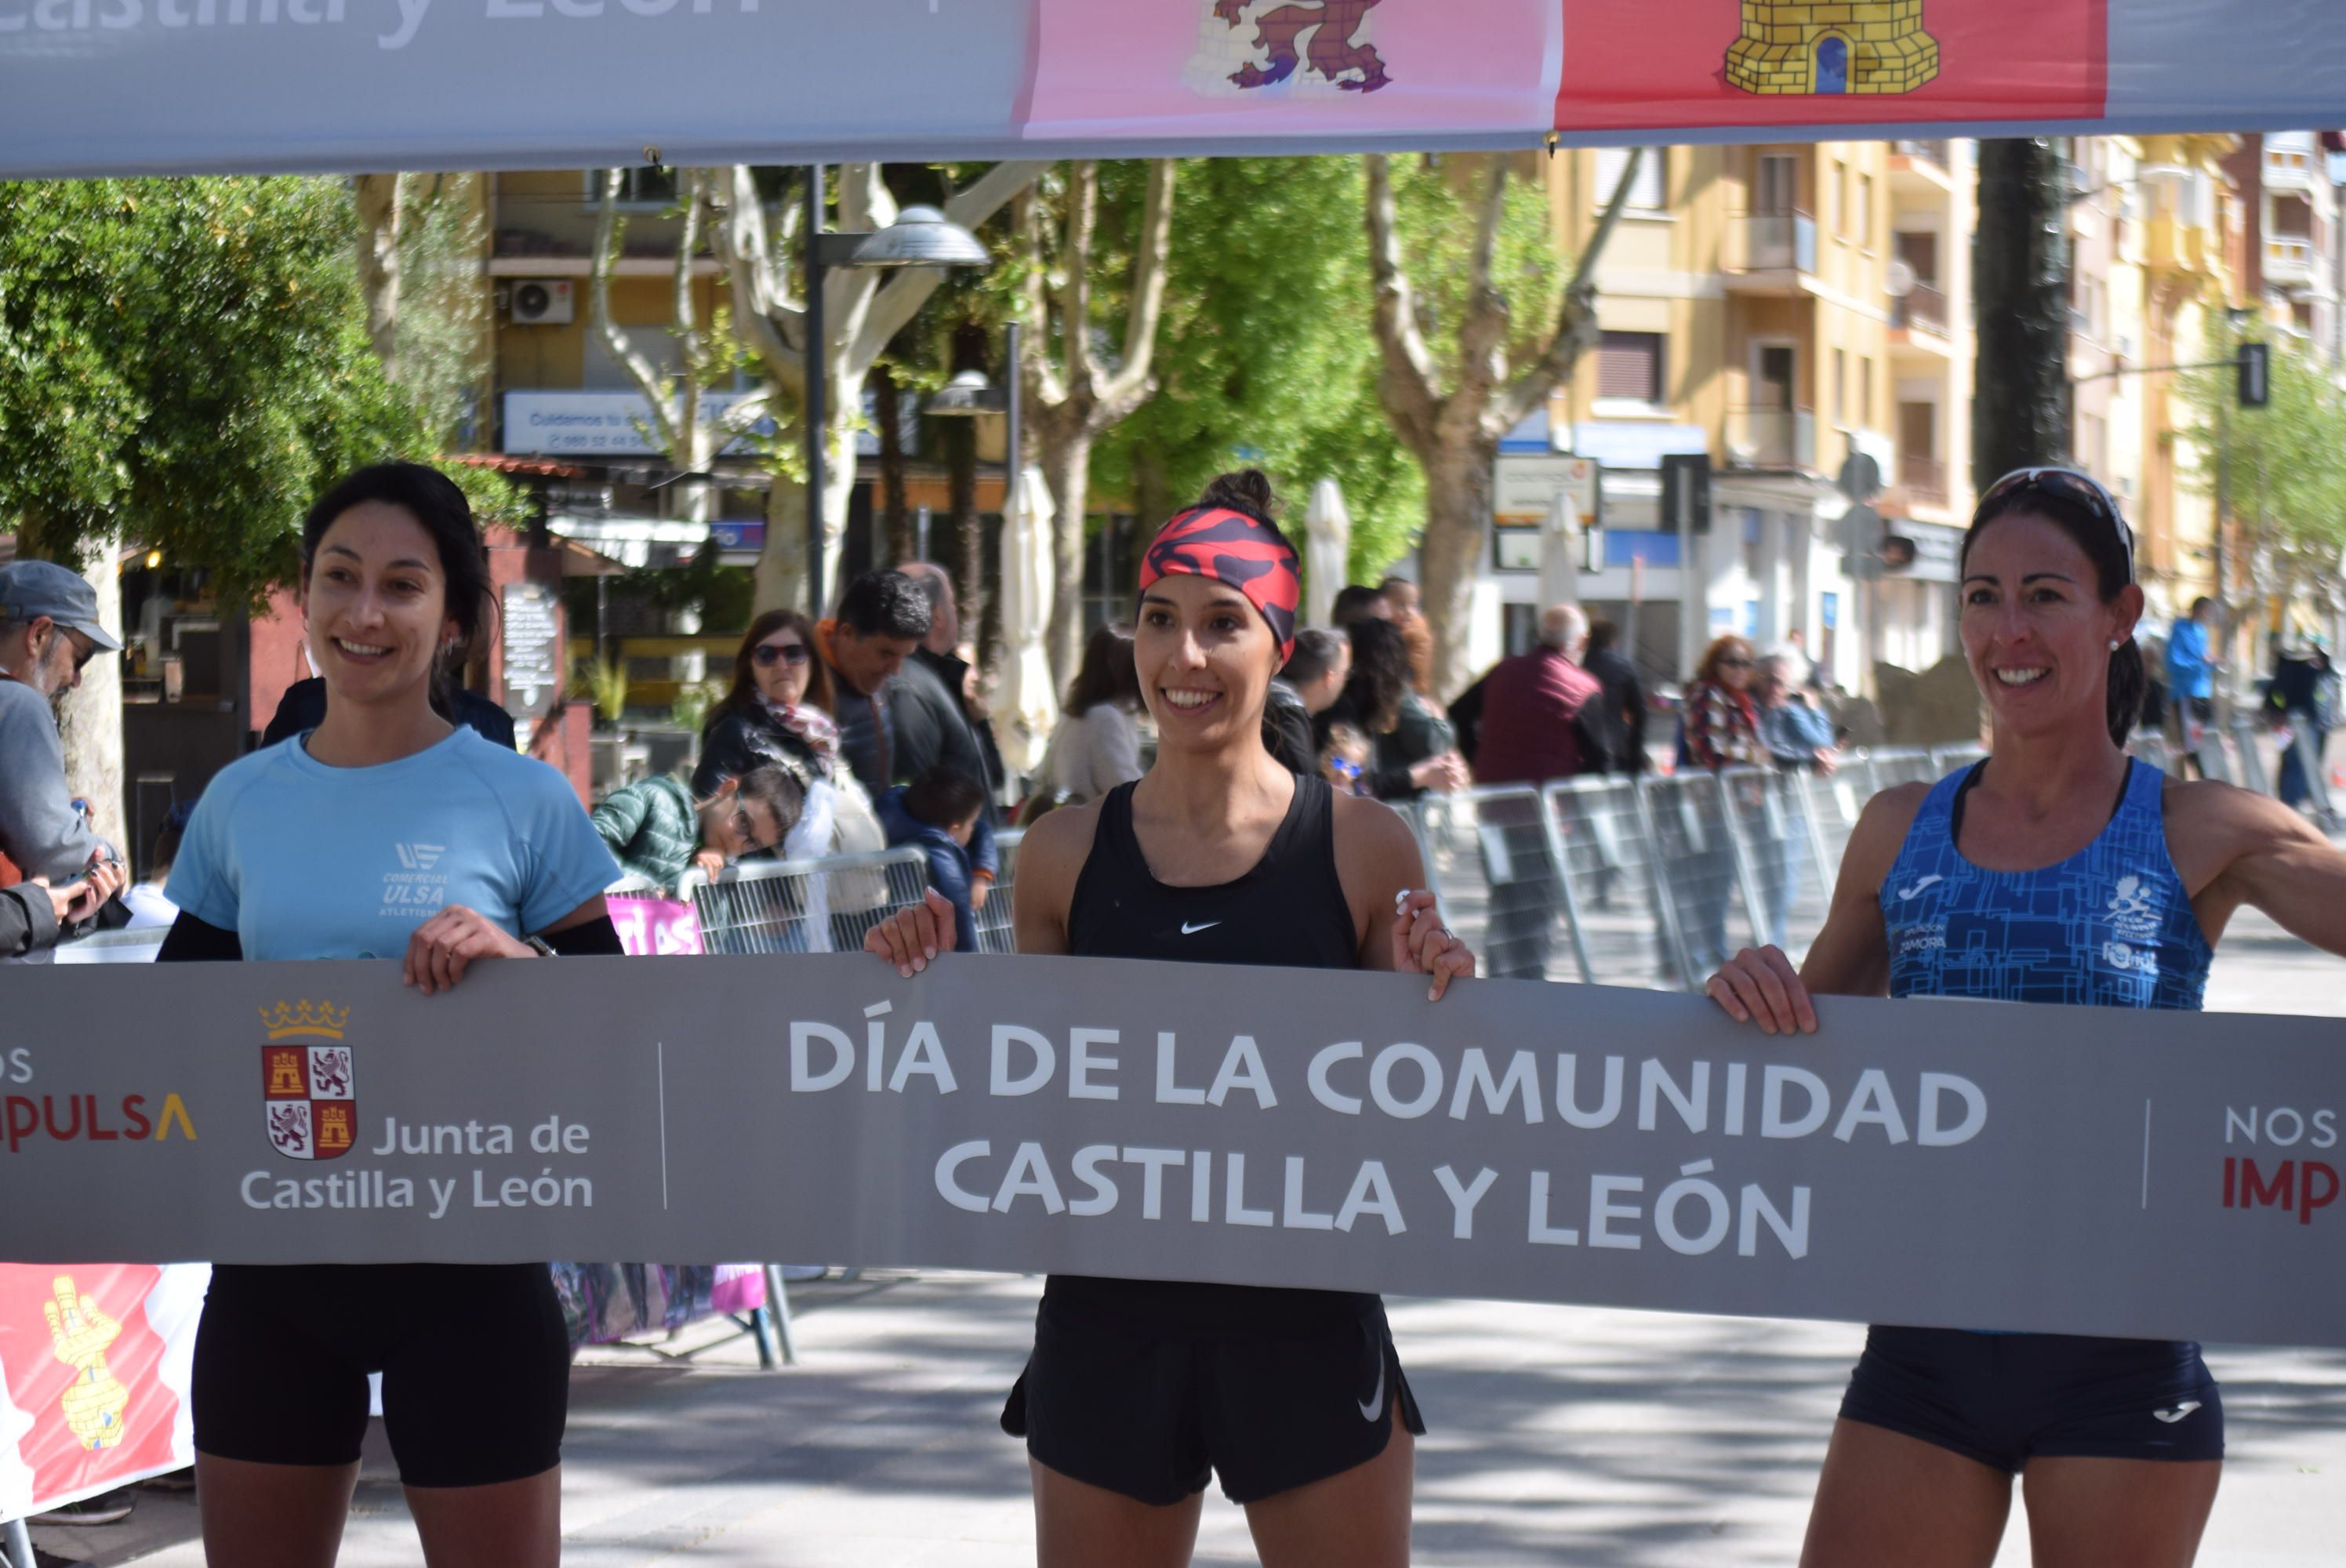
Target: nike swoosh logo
{"x":2179,"y":1412}
{"x":1918,"y":887}
{"x":1373,"y":1407}
{"x":1188,"y":930}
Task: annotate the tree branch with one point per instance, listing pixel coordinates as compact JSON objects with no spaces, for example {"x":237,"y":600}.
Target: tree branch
{"x":1076,"y":290}
{"x":1576,"y":326}
{"x":1133,"y":383}
{"x":765,"y":320}
{"x":1045,"y":391}
{"x":1407,"y":384}
{"x":609,"y":233}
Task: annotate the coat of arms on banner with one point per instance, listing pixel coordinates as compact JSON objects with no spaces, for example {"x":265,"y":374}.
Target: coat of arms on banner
{"x":308,"y":1092}
{"x":1303,"y":44}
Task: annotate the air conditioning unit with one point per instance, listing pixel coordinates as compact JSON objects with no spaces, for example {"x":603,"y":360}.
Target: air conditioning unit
{"x":541,"y":302}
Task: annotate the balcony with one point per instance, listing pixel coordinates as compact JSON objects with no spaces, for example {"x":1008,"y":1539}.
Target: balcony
{"x":1921,"y":170}
{"x":2292,"y":164}
{"x":1923,"y":309}
{"x":1925,"y":478}
{"x":1771,"y":438}
{"x":1770,"y":252}
{"x":2288,"y":259}
{"x":2172,"y":244}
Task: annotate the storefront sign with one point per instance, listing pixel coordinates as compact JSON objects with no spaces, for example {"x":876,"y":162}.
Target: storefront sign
{"x":1966,"y":1164}
{"x":531,"y":637}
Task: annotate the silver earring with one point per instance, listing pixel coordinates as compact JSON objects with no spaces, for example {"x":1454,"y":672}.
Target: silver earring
{"x":2115,"y":643}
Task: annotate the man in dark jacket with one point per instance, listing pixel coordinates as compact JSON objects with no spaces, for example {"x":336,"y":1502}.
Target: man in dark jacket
{"x":1539,"y":723}
{"x":1307,"y":686}
{"x":897,"y":720}
{"x":1622,"y":711}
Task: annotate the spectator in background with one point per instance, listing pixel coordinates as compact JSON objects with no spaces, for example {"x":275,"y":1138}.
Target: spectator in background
{"x":779,"y":712}
{"x":149,"y":906}
{"x":1401,"y":597}
{"x":940,"y":650}
{"x":48,"y":631}
{"x":33,"y":915}
{"x":1355,"y":602}
{"x":940,"y":811}
{"x":1800,"y":739}
{"x":2191,"y":677}
{"x":2304,"y":700}
{"x":1722,"y":730}
{"x":1623,"y":704}
{"x":303,"y":707}
{"x":1344,"y":759}
{"x":1542,"y":720}
{"x":657,"y":831}
{"x":1307,"y":686}
{"x":1097,"y":745}
{"x":1415,"y":750}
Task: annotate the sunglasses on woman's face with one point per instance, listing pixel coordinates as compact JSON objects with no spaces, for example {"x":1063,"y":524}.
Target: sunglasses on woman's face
{"x":2078,"y":489}
{"x":767,"y":655}
{"x":1730,"y":662}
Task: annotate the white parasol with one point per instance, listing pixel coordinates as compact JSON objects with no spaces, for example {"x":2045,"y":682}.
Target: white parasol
{"x":1026,"y":707}
{"x":1327,"y":551}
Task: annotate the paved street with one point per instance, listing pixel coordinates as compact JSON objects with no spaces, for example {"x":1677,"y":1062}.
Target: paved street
{"x":1559,"y":1434}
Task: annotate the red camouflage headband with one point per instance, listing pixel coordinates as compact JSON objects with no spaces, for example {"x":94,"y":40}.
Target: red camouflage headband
{"x":1235,"y":549}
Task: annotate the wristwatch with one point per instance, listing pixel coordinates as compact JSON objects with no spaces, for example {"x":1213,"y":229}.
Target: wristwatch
{"x":540,"y":946}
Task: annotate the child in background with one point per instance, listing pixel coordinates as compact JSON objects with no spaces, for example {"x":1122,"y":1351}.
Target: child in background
{"x":1344,"y":759}
{"x":657,"y":831}
{"x":939,"y":811}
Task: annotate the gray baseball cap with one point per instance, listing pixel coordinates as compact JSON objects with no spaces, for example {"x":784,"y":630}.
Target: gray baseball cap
{"x":30,"y":589}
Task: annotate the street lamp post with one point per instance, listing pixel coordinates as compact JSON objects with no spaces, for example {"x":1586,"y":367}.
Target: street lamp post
{"x":921,"y":237}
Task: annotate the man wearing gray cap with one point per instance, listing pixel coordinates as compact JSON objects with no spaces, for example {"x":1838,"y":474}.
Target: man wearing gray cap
{"x":48,"y":631}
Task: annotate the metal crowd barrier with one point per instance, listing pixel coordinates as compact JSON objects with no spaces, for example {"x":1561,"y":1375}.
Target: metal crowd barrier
{"x":996,"y":932}
{"x":1624,"y":925}
{"x":805,"y":906}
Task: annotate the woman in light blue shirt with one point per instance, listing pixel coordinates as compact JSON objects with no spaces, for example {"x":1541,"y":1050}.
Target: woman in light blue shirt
{"x":386,"y":832}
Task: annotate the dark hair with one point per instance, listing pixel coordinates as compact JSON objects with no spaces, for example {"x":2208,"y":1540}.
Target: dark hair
{"x":2202,"y":602}
{"x":1602,"y":633}
{"x":2128,"y":680}
{"x":1108,"y":674}
{"x":1316,"y":652}
{"x":1355,"y":602}
{"x":440,"y":509}
{"x":943,"y":797}
{"x":780,"y":793}
{"x":1380,"y":674}
{"x":742,"y":698}
{"x":1246,"y":490}
{"x":885,"y":605}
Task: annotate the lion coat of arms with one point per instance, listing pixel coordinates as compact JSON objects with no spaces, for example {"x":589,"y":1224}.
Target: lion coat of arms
{"x":309,"y":1093}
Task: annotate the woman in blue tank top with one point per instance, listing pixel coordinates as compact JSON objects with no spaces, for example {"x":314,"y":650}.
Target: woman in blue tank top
{"x":2057,"y":871}
{"x":1138,"y":1391}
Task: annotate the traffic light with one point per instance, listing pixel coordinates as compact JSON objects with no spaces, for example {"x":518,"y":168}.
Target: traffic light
{"x":2255,"y":369}
{"x":1686,"y":492}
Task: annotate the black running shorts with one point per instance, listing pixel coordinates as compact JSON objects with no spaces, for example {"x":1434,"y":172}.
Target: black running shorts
{"x":1146,"y":1388}
{"x":2005,"y":1399}
{"x":475,"y":1360}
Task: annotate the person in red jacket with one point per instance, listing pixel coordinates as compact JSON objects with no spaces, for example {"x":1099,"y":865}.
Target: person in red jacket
{"x":1541,"y":721}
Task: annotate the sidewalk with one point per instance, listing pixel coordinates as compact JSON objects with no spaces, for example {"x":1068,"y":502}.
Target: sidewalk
{"x":1560,"y":1434}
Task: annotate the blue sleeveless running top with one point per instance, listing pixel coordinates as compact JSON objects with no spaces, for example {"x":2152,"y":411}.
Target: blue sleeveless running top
{"x":2111,"y":926}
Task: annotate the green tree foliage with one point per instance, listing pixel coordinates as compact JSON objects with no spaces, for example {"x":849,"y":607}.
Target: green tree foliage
{"x":1265,"y":358}
{"x":2286,"y":460}
{"x":185,"y":361}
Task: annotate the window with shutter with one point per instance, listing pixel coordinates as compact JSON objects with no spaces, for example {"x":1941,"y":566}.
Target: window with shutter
{"x":1629,"y":366}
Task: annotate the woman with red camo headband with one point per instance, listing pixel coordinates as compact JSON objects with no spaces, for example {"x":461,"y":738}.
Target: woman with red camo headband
{"x":1138,"y":1390}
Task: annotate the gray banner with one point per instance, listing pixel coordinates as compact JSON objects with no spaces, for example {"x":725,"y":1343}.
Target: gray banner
{"x":1952,"y":1164}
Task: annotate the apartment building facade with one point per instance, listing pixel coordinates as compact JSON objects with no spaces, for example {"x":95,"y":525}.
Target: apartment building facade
{"x":1747,"y":312}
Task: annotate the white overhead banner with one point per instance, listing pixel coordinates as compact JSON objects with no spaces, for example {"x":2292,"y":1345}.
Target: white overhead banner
{"x":122,"y":87}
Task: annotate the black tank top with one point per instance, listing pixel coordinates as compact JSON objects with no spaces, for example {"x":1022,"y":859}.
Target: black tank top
{"x":1288,"y":909}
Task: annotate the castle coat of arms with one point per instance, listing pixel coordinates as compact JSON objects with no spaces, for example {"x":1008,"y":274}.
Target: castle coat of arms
{"x":309,"y":1093}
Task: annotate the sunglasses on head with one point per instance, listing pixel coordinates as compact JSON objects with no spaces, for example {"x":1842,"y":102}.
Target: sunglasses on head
{"x":767,"y":655}
{"x":2068,"y":484}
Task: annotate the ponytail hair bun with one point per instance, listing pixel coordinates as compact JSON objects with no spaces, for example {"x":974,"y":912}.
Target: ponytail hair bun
{"x":1247,"y":490}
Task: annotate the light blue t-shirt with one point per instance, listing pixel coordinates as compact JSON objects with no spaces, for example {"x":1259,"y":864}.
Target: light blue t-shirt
{"x":303,"y":860}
